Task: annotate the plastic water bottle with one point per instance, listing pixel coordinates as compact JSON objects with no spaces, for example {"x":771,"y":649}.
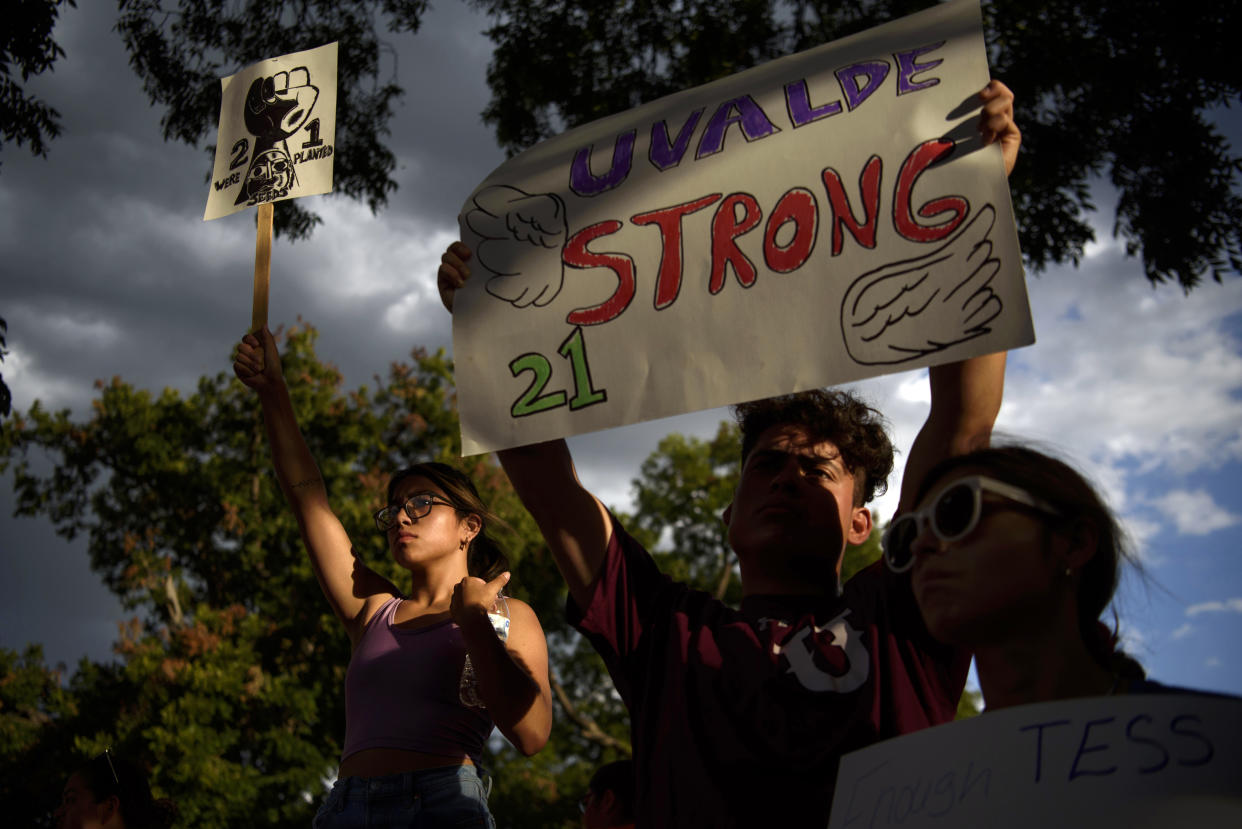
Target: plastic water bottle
{"x":468,"y":688}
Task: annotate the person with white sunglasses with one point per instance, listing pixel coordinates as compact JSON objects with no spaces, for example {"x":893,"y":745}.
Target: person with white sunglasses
{"x":1014,"y":555}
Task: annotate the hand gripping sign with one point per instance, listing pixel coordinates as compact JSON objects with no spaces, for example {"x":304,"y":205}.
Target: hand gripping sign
{"x":826,"y":217}
{"x":275,"y":142}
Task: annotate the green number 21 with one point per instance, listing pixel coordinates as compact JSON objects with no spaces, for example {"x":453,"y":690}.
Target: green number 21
{"x":534,"y":400}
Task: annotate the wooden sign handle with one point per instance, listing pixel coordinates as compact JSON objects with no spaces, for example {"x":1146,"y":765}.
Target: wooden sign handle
{"x":262,"y":266}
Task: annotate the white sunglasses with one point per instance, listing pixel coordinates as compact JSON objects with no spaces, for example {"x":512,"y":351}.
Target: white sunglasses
{"x":952,"y":514}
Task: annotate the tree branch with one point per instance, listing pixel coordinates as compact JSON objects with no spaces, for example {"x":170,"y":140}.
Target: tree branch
{"x":589,"y":728}
{"x":175,"y":614}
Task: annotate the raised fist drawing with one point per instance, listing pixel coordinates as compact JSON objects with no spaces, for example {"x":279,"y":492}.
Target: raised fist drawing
{"x":518,"y":227}
{"x":276,"y":108}
{"x":909,"y":309}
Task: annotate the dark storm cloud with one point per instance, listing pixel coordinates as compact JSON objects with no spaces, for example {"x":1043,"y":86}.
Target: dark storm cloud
{"x":108,"y":268}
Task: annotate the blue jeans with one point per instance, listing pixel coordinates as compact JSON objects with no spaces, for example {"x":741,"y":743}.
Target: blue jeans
{"x":450,"y":796}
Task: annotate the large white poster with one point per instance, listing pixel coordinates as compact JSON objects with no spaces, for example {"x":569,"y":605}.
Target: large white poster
{"x":277,"y":130}
{"x":1137,"y":761}
{"x":819,"y":219}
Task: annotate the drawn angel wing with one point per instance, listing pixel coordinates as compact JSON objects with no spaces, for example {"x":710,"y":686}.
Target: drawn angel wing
{"x":523,"y":235}
{"x":908,"y":309}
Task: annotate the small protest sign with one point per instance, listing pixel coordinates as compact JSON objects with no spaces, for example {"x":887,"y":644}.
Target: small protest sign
{"x":275,"y":141}
{"x":1135,"y":761}
{"x":277,"y":130}
{"x":822,"y":218}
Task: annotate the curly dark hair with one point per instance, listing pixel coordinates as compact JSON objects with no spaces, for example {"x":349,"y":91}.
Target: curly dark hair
{"x":857,"y":429}
{"x":485,"y":558}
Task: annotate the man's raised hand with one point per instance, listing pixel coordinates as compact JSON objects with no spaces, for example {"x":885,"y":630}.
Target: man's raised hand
{"x":996,"y":122}
{"x":453,"y":272}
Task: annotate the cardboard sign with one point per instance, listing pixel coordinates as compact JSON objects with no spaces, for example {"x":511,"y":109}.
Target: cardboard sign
{"x":277,"y":130}
{"x":822,"y":218}
{"x":1133,"y":761}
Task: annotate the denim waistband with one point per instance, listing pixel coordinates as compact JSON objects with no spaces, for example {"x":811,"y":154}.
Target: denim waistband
{"x":409,"y":782}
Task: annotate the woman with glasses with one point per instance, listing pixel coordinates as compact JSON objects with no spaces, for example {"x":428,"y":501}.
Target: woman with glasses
{"x":412,"y":746}
{"x":1014,"y":555}
{"x":109,"y":792}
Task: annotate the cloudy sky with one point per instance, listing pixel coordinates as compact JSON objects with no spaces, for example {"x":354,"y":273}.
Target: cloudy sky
{"x":108,"y":269}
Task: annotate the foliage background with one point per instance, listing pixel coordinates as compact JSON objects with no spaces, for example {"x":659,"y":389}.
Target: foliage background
{"x":228,"y":681}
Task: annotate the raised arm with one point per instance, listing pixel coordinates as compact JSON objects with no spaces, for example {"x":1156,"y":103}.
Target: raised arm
{"x":574,"y":523}
{"x":965,"y":396}
{"x":352,"y":589}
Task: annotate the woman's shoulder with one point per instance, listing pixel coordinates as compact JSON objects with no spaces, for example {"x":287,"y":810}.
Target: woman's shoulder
{"x":525,"y":628}
{"x":374,"y":608}
{"x":517,"y":608}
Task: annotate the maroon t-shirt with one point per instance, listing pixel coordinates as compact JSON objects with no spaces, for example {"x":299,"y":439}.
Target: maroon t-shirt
{"x":739,"y":717}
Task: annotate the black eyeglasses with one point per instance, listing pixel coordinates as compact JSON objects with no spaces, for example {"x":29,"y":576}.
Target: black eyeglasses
{"x":416,"y":507}
{"x":952,"y":515}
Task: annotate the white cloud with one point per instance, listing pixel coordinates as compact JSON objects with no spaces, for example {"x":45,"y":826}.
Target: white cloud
{"x":374,"y":258}
{"x":418,"y":264}
{"x":1182,"y":632}
{"x":1233,"y":605}
{"x":29,"y":381}
{"x":1133,"y":641}
{"x":80,"y":328}
{"x":1194,"y":512}
{"x":173,"y":236}
{"x":1212,"y":662}
{"x":1140,"y":375}
{"x":1140,"y":531}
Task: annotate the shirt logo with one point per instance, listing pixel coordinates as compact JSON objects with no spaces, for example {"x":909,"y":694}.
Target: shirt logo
{"x":838,"y":644}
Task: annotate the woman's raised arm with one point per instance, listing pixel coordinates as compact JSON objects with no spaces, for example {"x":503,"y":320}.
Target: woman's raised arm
{"x":352,"y":589}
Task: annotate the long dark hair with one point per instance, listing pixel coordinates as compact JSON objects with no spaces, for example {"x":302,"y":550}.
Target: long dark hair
{"x":1072,"y":495}
{"x":484,"y":558}
{"x":109,"y":775}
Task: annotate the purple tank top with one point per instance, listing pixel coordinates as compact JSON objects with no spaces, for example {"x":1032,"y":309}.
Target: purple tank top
{"x":401,"y":691}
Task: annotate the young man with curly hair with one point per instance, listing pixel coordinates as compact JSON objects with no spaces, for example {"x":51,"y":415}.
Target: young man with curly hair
{"x":739,"y":717}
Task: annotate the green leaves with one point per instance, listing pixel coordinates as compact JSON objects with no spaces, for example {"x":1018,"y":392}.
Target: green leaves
{"x":26,"y":45}
{"x":230,"y":684}
{"x":682,"y":489}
